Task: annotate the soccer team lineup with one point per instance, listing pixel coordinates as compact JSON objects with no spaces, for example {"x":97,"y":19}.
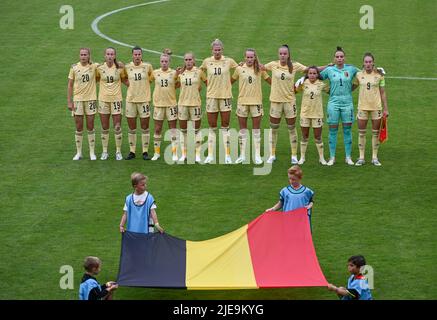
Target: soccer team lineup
{"x":218,"y":73}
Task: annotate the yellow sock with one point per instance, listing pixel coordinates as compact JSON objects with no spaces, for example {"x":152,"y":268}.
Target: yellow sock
{"x":105,"y":140}
{"x":362,"y":142}
{"x":211,"y":141}
{"x":184,"y":142}
{"x":273,"y":138}
{"x":157,"y":143}
{"x":292,"y":132}
{"x":118,"y":139}
{"x":226,"y":140}
{"x":145,"y":139}
{"x":319,"y":145}
{"x":303,"y":147}
{"x":257,"y":142}
{"x":92,"y":141}
{"x":174,"y":141}
{"x":198,"y":135}
{"x":375,"y":144}
{"x":132,"y":137}
{"x":242,"y":139}
{"x":78,"y":138}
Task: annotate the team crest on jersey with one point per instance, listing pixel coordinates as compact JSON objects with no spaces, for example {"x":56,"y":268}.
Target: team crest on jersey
{"x":346,"y":74}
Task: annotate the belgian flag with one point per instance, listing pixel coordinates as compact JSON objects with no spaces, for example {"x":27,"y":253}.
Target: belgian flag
{"x":274,"y":250}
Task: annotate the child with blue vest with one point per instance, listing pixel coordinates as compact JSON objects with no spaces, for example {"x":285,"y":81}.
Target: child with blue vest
{"x":295,"y":195}
{"x":357,"y":285}
{"x":139,"y":208}
{"x":89,"y":288}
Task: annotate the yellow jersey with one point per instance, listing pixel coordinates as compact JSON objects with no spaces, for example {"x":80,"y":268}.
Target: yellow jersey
{"x":139,"y":82}
{"x":164,"y":94}
{"x":110,"y":82}
{"x":312,"y":101}
{"x":282,"y":89}
{"x":191,"y":82}
{"x":219,"y":77}
{"x":249,"y":84}
{"x":84,"y":81}
{"x":369,"y":98}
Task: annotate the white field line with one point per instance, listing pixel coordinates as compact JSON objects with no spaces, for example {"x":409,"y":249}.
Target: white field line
{"x":94,"y":26}
{"x":411,"y":78}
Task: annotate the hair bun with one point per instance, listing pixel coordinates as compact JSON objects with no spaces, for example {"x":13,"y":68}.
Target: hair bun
{"x":339,"y":48}
{"x":167,"y":51}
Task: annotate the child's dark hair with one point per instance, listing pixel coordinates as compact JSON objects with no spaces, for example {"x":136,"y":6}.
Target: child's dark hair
{"x":359,"y":261}
{"x":315,"y":68}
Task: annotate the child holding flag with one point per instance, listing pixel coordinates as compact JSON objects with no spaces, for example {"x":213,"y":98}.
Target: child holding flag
{"x":357,"y":285}
{"x":89,"y":288}
{"x":295,"y":195}
{"x":139,"y":208}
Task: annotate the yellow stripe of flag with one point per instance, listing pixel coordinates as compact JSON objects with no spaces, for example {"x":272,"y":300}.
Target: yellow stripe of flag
{"x":220,"y":263}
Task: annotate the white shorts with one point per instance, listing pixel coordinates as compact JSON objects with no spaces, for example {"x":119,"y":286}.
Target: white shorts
{"x":110,"y":107}
{"x":215,"y":105}
{"x":84,"y":107}
{"x":134,"y":109}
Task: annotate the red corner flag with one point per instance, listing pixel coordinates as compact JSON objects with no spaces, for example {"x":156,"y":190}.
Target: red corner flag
{"x":383,"y":131}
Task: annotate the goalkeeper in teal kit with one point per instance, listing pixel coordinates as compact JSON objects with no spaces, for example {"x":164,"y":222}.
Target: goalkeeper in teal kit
{"x":340,"y":104}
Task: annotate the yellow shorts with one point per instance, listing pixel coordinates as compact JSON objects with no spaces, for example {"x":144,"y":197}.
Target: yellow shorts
{"x":84,"y":107}
{"x":255,"y":110}
{"x":162,"y":113}
{"x":216,"y":105}
{"x":110,"y":107}
{"x":364,"y":114}
{"x":311,"y":122}
{"x":287,"y":108}
{"x":189,"y":113}
{"x":134,"y":109}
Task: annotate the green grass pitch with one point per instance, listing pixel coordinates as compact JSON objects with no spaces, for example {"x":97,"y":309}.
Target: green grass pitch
{"x":55,"y":211}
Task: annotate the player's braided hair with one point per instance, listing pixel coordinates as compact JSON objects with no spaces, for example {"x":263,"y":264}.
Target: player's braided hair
{"x":289,"y":63}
